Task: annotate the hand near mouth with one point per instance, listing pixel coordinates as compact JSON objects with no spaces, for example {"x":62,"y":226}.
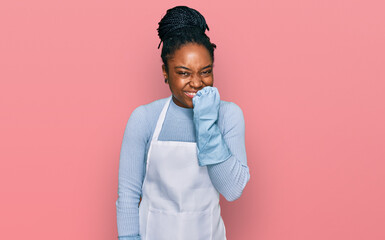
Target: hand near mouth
{"x":211,"y":146}
{"x":207,"y":101}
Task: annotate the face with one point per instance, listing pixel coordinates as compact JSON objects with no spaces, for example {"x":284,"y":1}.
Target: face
{"x":189,"y":70}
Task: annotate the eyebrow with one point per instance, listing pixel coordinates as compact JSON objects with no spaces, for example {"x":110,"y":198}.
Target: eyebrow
{"x":210,"y":65}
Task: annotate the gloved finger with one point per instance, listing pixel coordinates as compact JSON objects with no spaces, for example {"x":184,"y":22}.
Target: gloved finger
{"x":206,"y":99}
{"x":215,"y":94}
{"x":213,"y":98}
{"x":203,"y":91}
{"x":197,"y":98}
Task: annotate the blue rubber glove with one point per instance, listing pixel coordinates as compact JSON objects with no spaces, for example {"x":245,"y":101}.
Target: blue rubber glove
{"x":130,"y":238}
{"x":211,"y":146}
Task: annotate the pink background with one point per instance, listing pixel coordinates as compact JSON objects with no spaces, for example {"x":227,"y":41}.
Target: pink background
{"x":308,"y":74}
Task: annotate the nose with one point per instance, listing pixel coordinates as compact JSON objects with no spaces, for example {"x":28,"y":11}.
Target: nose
{"x":196,"y":81}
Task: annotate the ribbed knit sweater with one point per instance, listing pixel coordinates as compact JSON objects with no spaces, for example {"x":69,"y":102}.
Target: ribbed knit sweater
{"x":228,"y":177}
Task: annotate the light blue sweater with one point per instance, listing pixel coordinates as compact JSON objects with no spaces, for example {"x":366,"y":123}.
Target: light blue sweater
{"x":228,"y":177}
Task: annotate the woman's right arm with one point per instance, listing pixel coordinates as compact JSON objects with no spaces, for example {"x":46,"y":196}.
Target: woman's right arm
{"x":131,"y":174}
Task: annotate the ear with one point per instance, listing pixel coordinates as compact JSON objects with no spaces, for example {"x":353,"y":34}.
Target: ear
{"x":165,"y":74}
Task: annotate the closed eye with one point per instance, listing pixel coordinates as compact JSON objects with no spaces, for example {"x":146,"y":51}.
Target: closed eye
{"x":206,"y":72}
{"x":184,"y":73}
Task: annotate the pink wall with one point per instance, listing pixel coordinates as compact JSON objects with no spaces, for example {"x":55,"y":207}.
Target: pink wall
{"x":309,"y":76}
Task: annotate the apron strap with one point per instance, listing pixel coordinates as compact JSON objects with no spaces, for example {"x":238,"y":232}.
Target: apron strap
{"x":161,"y":118}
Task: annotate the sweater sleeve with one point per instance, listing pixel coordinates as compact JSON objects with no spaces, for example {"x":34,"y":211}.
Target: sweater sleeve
{"x":230,"y":177}
{"x":131,"y":174}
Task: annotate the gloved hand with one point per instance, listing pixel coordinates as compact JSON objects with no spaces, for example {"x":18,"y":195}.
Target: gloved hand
{"x":212,"y":148}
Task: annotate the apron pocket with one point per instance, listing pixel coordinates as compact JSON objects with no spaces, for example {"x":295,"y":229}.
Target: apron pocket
{"x":179,"y":226}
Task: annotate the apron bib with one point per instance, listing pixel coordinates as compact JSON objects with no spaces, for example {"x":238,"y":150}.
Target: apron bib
{"x":179,"y":202}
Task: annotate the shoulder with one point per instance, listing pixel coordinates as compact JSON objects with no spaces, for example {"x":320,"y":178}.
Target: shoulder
{"x":230,"y":110}
{"x":150,"y":110}
{"x":143,"y":119}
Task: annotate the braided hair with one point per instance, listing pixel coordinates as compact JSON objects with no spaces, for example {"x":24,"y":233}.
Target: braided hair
{"x":182,"y":25}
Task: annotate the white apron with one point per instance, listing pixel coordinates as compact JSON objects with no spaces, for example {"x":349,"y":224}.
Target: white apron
{"x":179,"y":202}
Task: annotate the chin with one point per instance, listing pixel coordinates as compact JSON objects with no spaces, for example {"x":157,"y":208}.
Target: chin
{"x":186,"y":103}
{"x":189,"y":104}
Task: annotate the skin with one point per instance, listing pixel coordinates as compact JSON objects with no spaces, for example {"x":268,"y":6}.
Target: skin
{"x":189,"y":70}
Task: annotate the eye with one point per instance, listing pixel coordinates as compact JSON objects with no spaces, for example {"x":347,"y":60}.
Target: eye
{"x":207,"y":72}
{"x":184,"y":74}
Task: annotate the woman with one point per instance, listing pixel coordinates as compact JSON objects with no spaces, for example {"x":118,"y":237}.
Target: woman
{"x":180,"y":152}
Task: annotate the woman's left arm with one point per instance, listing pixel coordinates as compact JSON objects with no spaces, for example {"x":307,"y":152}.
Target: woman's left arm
{"x":230,"y":176}
{"x":223,"y":152}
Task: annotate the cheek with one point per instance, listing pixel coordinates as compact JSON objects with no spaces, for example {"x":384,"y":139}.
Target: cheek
{"x":209,"y":81}
{"x":176,"y":83}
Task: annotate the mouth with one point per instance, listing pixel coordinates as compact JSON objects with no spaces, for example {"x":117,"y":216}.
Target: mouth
{"x":190,"y":94}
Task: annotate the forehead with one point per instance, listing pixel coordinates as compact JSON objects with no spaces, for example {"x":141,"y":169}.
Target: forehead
{"x":193,"y":55}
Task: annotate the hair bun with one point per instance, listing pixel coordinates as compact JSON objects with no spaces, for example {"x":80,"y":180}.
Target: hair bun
{"x":180,"y":17}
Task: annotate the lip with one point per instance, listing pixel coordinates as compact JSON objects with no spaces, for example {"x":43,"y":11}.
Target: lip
{"x":190,"y":94}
